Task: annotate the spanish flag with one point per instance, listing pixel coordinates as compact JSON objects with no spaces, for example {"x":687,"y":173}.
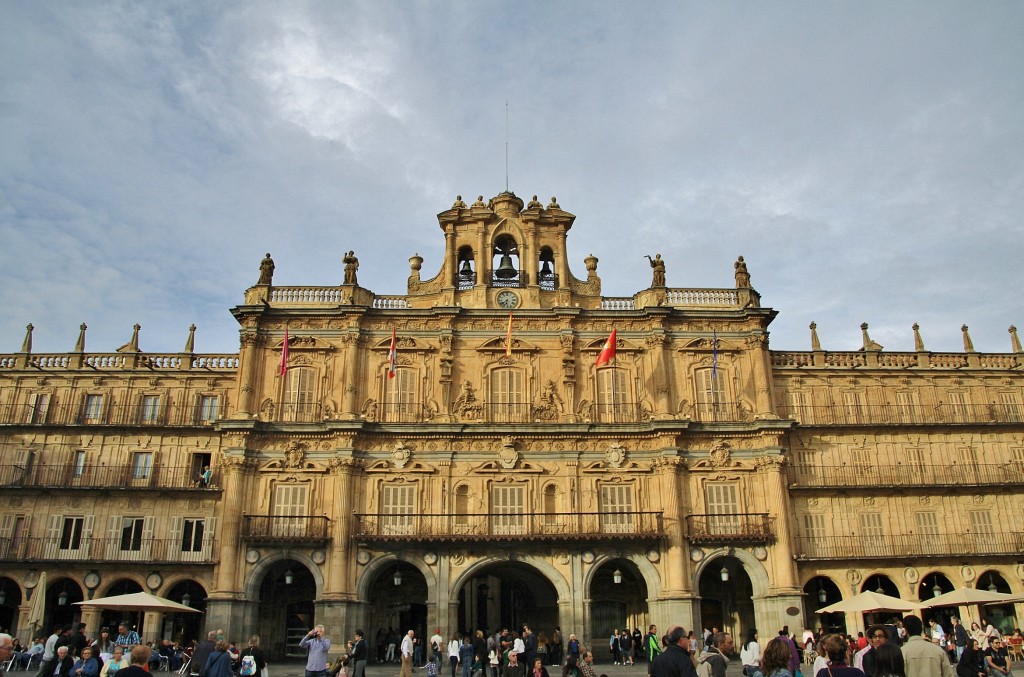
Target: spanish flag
{"x":392,"y":354}
{"x":607,"y":353}
{"x":508,"y":337}
{"x":284,"y":354}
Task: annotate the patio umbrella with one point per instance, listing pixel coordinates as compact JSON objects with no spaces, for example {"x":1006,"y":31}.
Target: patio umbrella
{"x":867,"y":602}
{"x":969,"y":596}
{"x":138,"y":601}
{"x":38,"y":608}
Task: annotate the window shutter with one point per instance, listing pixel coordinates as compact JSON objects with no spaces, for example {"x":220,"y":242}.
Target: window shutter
{"x":53,"y":535}
{"x":174,"y":543}
{"x":113,"y":536}
{"x":209,"y":532}
{"x":147,"y":538}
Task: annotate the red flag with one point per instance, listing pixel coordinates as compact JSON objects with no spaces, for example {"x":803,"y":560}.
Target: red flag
{"x":508,"y":337}
{"x":392,"y":354}
{"x":607,"y":353}
{"x":284,"y":353}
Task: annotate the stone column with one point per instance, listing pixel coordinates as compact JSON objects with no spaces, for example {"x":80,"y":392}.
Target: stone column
{"x":248,"y":368}
{"x":483,"y":264}
{"x":762,"y":369}
{"x":339,"y":583}
{"x":233,"y":480}
{"x":350,"y":402}
{"x":670,"y":472}
{"x":771,"y":475}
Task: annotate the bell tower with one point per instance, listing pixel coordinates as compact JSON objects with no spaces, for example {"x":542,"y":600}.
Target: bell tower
{"x":500,"y":254}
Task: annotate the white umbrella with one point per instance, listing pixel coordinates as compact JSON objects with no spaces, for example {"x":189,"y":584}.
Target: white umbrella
{"x":867,"y":602}
{"x":969,"y":596}
{"x":38,"y":608}
{"x":138,"y":601}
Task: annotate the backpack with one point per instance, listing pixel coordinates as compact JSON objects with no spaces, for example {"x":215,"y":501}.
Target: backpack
{"x":248,"y":666}
{"x":703,"y":666}
{"x":431,"y":669}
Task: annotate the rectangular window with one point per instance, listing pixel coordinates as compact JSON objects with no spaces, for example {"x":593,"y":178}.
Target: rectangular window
{"x":872,"y":534}
{"x":613,"y":396}
{"x":723,"y":507}
{"x":506,"y":400}
{"x":298,"y":402}
{"x":142,"y":465}
{"x":617,"y":509}
{"x":71,"y":533}
{"x":815,"y":537}
{"x":1012,"y":410}
{"x":131,"y":534}
{"x":396,"y":504}
{"x":150,"y":409}
{"x":38,"y":406}
{"x":853,"y":408}
{"x":926,"y":526}
{"x":800,"y":407}
{"x":957,"y":409}
{"x":401,"y":396}
{"x":79,"y":466}
{"x":983,"y":531}
{"x":906,"y":407}
{"x":711,"y":397}
{"x":68,"y":537}
{"x":192,"y":531}
{"x":93,"y":409}
{"x":207,"y":408}
{"x":290,"y":509}
{"x":508,"y":508}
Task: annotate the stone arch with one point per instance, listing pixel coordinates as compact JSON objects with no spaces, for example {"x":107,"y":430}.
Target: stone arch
{"x":174,"y":579}
{"x":542,"y":567}
{"x":104,"y":589}
{"x":650,"y":574}
{"x":751,"y":565}
{"x":371,"y":572}
{"x":254,"y":579}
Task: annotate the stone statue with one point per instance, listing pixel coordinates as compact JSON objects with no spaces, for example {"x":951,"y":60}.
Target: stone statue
{"x":479,"y":201}
{"x":458,"y":204}
{"x":554,"y":204}
{"x":742,"y":276}
{"x":658,"y":279}
{"x":266,"y":270}
{"x":534,"y":204}
{"x":351,"y":266}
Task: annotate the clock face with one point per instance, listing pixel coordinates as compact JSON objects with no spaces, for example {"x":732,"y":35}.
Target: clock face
{"x":508,"y":300}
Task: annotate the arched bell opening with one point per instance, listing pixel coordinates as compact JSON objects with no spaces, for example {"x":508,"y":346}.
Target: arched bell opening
{"x":505,"y":262}
{"x":546,"y":276}
{"x":466,"y":274}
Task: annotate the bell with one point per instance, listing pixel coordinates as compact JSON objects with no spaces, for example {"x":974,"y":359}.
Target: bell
{"x":505,"y":269}
{"x":545,"y":270}
{"x":466,"y":271}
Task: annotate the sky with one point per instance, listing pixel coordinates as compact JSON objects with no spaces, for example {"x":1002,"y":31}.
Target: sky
{"x":866,"y":158}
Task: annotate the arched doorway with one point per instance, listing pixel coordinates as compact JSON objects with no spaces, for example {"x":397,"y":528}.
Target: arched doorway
{"x":182,"y":628}
{"x":507,"y":595}
{"x":821,"y":591}
{"x":932,"y":585}
{"x":398,"y":603}
{"x":1001,"y":616}
{"x":10,"y":600}
{"x":726,"y":597}
{"x":286,"y":609}
{"x":110,"y":618}
{"x":883,"y":585}
{"x":618,"y":600}
{"x":61,"y":596}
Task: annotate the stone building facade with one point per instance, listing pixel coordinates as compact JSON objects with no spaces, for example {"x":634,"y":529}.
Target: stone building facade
{"x":455,"y":458}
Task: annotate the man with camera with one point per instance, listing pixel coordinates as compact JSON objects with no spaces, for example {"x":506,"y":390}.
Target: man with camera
{"x":317,"y":645}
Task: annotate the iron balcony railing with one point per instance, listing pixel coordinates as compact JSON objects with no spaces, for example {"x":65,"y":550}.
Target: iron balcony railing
{"x":76,"y":413}
{"x":548,"y":282}
{"x":897,"y":414}
{"x":961,"y":474}
{"x":744,"y":528}
{"x":909,"y":545}
{"x":91,"y":476}
{"x":298,"y":412}
{"x":270,"y":529}
{"x":87,"y":549}
{"x":518,"y":526}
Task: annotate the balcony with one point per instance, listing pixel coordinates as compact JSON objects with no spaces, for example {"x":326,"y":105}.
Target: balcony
{"x":622,"y":412}
{"x":134,"y":415}
{"x":905,"y":475}
{"x":162,"y":550}
{"x":745,"y":528}
{"x":909,"y":545}
{"x":92,"y":477}
{"x":490,"y":528}
{"x":286,"y":529}
{"x":895,"y":414}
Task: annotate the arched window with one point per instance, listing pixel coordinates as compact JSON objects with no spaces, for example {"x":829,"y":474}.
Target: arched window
{"x":613,"y":396}
{"x":506,"y":401}
{"x":711,"y":397}
{"x":298,"y":401}
{"x":400,"y":401}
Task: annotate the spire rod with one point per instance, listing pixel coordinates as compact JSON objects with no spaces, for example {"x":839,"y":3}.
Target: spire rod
{"x":506,"y":146}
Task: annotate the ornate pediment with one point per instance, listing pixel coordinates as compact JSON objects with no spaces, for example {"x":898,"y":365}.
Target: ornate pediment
{"x":497,"y":344}
{"x":621,"y":346}
{"x":403,"y":343}
{"x":304,"y":343}
{"x":706,"y":345}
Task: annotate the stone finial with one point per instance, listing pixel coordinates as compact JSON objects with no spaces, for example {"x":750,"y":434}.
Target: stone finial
{"x":1014,"y":340}
{"x":190,"y":343}
{"x":591,"y":263}
{"x":415,"y":263}
{"x":968,"y":344}
{"x":918,"y":342}
{"x":815,"y":343}
{"x":80,"y":343}
{"x":26,"y":345}
{"x":868,"y":343}
{"x":133,"y":342}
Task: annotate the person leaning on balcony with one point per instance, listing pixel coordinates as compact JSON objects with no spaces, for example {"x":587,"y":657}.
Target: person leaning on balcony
{"x":921,"y":658}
